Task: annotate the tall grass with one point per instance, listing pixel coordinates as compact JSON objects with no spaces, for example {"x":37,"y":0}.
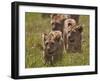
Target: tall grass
{"x":35,"y":25}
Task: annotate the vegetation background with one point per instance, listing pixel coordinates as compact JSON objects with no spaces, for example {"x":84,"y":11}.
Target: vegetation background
{"x":38,"y":23}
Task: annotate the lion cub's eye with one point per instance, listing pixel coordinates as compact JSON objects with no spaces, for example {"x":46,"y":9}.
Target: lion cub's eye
{"x":53,"y":23}
{"x":46,"y":43}
{"x":52,"y":43}
{"x":68,"y":31}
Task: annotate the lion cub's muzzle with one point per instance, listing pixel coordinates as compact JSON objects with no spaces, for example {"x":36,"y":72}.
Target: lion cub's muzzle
{"x":51,"y":48}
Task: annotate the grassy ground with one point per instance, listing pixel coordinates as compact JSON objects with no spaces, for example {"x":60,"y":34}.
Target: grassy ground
{"x":35,"y":25}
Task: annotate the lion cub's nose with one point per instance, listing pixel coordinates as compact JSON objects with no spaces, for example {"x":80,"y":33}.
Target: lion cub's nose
{"x":48,"y":48}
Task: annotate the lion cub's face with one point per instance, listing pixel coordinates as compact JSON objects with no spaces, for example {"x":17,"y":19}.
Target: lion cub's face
{"x":74,"y":39}
{"x":57,"y":22}
{"x":74,"y":33}
{"x":50,"y":46}
{"x":51,"y":41}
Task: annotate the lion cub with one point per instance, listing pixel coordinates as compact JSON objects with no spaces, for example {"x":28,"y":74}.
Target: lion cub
{"x":53,"y":47}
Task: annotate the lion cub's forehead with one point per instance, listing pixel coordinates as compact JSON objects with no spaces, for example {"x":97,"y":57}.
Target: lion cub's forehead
{"x":52,"y":35}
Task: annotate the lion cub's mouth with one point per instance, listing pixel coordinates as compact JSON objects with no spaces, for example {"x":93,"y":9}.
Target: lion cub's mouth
{"x":51,"y":52}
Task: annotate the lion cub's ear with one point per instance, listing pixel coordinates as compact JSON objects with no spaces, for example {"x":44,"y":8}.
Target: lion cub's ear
{"x":44,"y":36}
{"x":58,"y":36}
{"x":80,"y":28}
{"x":62,"y":17}
{"x":52,"y":15}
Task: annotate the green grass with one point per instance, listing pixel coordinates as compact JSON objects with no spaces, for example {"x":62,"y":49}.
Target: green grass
{"x":35,"y":25}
